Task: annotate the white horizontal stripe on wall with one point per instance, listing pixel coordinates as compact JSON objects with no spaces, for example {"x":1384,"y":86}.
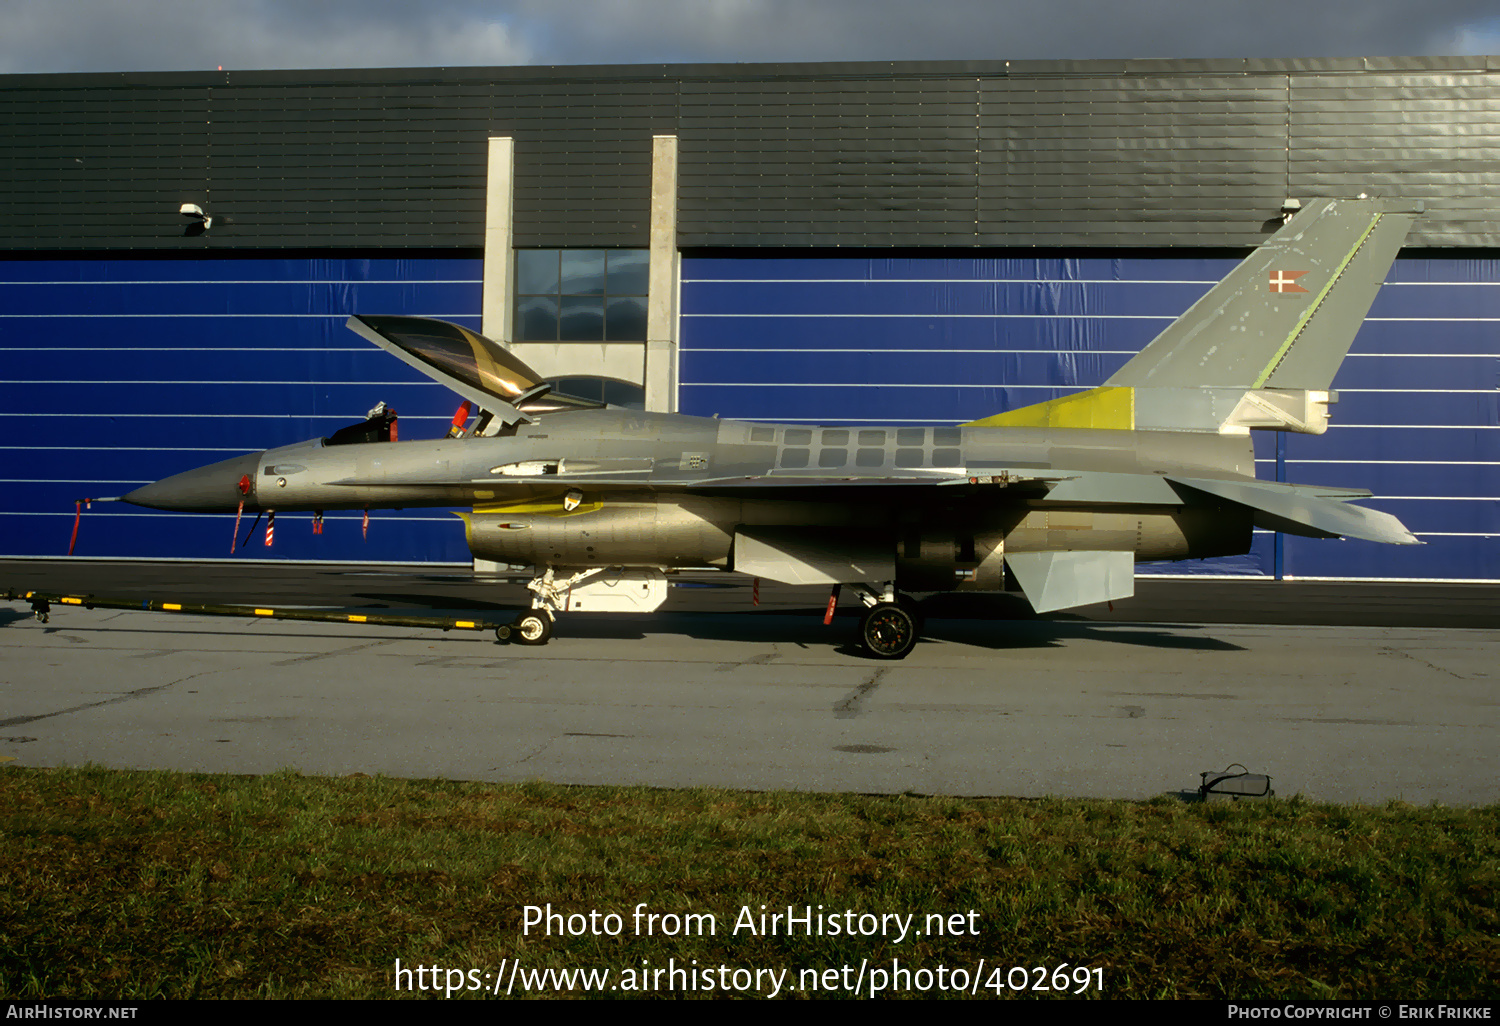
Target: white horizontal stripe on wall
{"x":953,"y":281}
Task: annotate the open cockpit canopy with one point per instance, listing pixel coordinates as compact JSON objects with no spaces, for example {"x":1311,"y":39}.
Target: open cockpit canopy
{"x":480,"y":370}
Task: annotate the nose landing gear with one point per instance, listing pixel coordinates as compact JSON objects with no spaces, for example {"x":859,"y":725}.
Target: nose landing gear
{"x":533,"y":627}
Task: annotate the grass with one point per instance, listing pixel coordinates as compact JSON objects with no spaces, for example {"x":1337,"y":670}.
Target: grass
{"x":142,"y":885}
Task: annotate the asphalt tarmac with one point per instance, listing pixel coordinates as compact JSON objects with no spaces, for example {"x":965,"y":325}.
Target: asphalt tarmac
{"x":1382,"y":692}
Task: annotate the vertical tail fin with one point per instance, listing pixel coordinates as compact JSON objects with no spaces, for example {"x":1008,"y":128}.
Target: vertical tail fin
{"x":1260,"y":349}
{"x":1284,"y":318}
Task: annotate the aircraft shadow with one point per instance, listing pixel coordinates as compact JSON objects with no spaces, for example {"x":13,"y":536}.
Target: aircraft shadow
{"x":810,"y":632}
{"x":1053,"y":633}
{"x":997,"y":622}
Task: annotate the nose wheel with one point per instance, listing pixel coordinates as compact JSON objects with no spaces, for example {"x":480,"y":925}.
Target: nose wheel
{"x":888,"y":630}
{"x":533,"y":627}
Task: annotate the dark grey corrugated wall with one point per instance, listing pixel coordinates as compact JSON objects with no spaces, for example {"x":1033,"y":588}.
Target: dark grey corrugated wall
{"x":1151,"y":153}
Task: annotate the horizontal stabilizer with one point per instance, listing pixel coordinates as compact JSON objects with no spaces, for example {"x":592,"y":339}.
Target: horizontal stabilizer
{"x":1321,"y":511}
{"x":1060,"y":580}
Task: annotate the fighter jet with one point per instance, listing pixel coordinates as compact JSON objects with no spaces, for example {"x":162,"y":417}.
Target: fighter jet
{"x":1059,"y":500}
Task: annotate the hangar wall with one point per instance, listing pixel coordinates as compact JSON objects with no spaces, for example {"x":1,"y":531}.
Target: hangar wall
{"x":124,"y":371}
{"x":1143,"y":153}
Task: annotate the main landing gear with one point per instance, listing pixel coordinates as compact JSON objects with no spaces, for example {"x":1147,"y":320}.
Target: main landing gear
{"x":891,"y":625}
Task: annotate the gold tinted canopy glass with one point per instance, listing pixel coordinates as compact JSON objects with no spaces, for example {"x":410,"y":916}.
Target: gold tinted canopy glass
{"x":459,"y":353}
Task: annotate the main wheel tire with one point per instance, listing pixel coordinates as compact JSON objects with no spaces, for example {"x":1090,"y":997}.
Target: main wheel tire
{"x":532,"y":628}
{"x":888,"y":631}
{"x":913,"y":607}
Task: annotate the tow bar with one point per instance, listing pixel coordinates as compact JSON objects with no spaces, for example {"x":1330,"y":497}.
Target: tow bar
{"x":41,"y":608}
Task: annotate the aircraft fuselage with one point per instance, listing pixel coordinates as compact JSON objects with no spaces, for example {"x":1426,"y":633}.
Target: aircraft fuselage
{"x":638,"y":489}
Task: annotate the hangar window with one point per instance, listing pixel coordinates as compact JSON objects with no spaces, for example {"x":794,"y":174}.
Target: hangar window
{"x":604,"y":390}
{"x":581,"y":295}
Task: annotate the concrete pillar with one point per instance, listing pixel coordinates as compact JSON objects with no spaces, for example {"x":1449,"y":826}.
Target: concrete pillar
{"x":661,"y":303}
{"x":497,"y":306}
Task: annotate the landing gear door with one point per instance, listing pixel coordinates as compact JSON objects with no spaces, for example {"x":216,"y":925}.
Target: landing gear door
{"x":1061,"y":580}
{"x":813,"y":555}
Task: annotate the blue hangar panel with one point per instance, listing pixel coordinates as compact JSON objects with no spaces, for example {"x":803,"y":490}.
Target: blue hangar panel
{"x":122,"y":372}
{"x":845,"y":339}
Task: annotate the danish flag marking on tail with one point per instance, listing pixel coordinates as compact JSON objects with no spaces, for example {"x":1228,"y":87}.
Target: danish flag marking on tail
{"x":1286,"y":281}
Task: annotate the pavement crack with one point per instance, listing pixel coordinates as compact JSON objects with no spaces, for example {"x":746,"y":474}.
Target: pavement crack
{"x":853,"y":704}
{"x":755,"y":660}
{"x":1387,"y":650}
{"x":128,"y":696}
{"x":533,"y":754}
{"x":346,"y":650}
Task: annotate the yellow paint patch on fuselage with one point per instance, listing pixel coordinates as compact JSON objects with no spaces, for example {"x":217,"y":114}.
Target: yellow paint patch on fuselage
{"x":551,"y":506}
{"x":1108,"y":408}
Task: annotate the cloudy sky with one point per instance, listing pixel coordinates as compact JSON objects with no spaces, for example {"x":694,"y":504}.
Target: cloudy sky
{"x":160,"y":35}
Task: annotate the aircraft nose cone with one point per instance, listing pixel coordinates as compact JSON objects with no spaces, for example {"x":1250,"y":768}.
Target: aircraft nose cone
{"x":211,"y":489}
